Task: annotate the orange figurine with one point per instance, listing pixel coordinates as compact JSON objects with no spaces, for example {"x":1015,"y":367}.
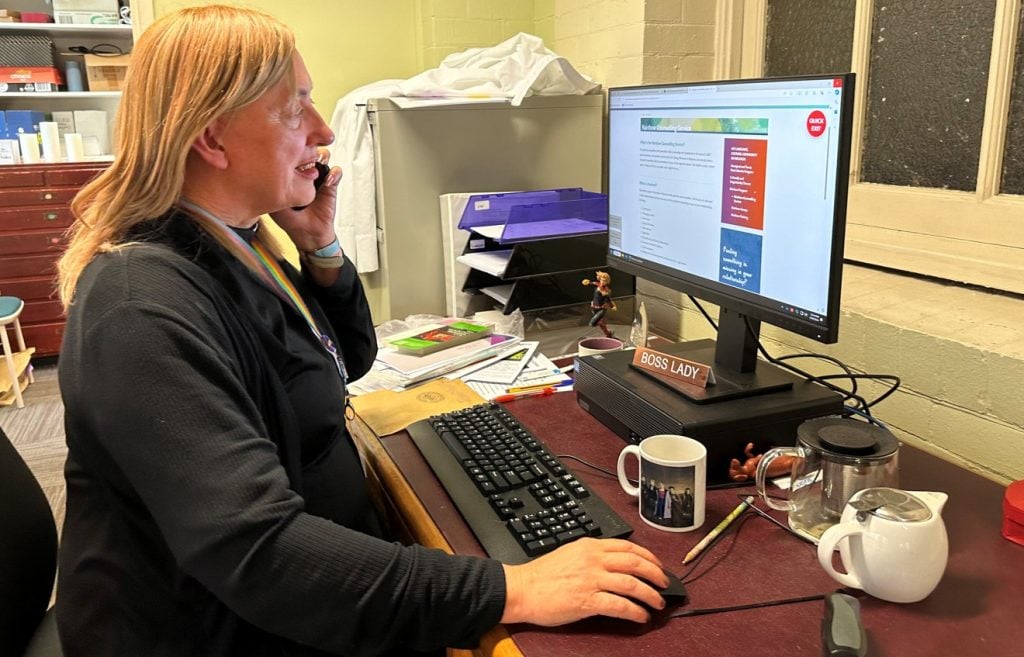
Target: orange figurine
{"x":746,"y":470}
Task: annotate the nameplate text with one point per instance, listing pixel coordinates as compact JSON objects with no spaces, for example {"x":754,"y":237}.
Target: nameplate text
{"x":673,"y":367}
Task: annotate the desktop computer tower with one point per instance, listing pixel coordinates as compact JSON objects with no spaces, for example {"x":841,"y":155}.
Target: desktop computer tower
{"x":634,"y":406}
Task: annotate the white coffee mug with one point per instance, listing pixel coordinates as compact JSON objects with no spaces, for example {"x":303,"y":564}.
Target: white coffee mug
{"x":593,"y":346}
{"x":672,"y":481}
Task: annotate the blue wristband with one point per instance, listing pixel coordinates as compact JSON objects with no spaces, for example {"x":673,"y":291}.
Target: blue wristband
{"x":329,"y":251}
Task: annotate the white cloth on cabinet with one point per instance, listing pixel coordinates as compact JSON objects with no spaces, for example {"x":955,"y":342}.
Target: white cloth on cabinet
{"x":355,"y":217}
{"x":515,"y":68}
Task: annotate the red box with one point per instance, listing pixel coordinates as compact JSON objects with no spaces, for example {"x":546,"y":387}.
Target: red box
{"x":1013,"y":512}
{"x":29,"y":79}
{"x":35,"y":17}
{"x":27,"y":74}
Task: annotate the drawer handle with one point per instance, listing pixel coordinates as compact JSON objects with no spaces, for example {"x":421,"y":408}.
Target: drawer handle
{"x":49,"y":216}
{"x":47,"y":196}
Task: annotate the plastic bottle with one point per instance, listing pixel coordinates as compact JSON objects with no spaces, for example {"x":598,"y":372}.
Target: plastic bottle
{"x":74,"y":76}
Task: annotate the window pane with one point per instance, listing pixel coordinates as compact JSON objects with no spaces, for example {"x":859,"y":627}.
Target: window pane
{"x":1013,"y":156}
{"x":926,"y":92}
{"x":808,"y":37}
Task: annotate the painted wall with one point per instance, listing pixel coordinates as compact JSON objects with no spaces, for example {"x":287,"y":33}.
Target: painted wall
{"x":959,"y":352}
{"x":345,"y":43}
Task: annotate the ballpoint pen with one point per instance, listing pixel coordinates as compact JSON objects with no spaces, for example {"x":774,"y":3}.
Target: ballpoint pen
{"x":529,"y":388}
{"x":714,"y":533}
{"x":543,"y":392}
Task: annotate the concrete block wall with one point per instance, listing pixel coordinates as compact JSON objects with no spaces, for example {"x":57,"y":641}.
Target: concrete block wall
{"x":959,"y":354}
{"x":601,"y":38}
{"x":450,"y":26}
{"x":679,"y":40}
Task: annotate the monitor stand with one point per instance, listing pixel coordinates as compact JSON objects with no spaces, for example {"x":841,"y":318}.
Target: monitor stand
{"x":733,"y":359}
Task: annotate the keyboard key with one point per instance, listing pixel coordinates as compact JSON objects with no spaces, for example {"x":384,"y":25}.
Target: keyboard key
{"x":488,"y":462}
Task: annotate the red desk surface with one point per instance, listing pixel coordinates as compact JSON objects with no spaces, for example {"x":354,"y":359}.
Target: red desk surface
{"x":977,"y":609}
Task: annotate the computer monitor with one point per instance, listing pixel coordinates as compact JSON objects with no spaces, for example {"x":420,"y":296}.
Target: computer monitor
{"x":735,"y":192}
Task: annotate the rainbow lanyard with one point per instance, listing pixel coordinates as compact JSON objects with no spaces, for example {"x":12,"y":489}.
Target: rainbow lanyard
{"x":272,"y":275}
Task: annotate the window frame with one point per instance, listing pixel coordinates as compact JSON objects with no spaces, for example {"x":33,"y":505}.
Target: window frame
{"x":971,"y":237}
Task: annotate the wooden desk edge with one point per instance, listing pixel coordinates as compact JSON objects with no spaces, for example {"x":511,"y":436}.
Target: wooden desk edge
{"x":383,"y":473}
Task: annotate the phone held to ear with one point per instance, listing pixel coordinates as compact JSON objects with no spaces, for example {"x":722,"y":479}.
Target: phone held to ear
{"x":321,"y":175}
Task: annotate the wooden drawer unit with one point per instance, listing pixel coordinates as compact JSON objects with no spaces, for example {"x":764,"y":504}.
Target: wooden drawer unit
{"x":34,"y":216}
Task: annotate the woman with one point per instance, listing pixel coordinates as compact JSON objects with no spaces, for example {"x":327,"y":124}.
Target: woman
{"x":216,"y":504}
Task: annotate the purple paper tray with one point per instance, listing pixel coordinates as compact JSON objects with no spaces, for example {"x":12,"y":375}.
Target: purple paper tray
{"x":536,"y":215}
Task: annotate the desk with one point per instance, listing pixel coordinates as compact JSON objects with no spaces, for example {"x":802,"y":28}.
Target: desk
{"x":976,"y":610}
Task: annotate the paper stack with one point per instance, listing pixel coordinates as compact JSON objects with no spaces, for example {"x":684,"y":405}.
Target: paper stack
{"x":403,"y":370}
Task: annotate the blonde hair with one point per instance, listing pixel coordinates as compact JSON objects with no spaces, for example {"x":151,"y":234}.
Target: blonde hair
{"x":189,"y":68}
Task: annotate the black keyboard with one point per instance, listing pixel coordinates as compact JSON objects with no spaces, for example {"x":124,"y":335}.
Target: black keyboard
{"x":516,"y":496}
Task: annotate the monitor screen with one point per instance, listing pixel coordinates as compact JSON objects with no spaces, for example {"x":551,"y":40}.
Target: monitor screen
{"x":735,"y":192}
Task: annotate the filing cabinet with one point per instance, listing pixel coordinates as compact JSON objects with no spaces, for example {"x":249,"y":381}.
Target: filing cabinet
{"x":34,"y":216}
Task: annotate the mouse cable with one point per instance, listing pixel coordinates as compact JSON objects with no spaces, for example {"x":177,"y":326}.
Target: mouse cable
{"x":756,"y":509}
{"x":753,"y":605}
{"x":732,"y":530}
{"x":573,"y":457}
{"x":591,"y":465}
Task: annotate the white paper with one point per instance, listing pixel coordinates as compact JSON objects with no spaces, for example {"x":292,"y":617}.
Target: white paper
{"x":92,"y":125}
{"x":491,"y":262}
{"x":540,"y":371}
{"x":408,"y":103}
{"x":506,"y":370}
{"x":500,"y":293}
{"x":494,"y":232}
{"x":413,"y":364}
{"x":480,"y":364}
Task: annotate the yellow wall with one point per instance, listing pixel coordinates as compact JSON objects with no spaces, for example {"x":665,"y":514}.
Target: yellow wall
{"x":345,"y":43}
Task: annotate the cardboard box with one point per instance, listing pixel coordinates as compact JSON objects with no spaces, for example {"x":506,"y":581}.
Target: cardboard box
{"x":35,"y":17}
{"x":65,"y":121}
{"x":92,"y":125}
{"x":22,"y":122}
{"x":28,"y":78}
{"x":86,"y":12}
{"x":106,"y":72}
{"x":10,"y":151}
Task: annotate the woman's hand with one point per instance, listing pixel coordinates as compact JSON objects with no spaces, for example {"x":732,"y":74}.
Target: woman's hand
{"x":587,"y":577}
{"x":313,"y":227}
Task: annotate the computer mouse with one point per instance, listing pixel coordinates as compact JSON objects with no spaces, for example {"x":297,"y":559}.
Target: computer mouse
{"x":675,"y":592}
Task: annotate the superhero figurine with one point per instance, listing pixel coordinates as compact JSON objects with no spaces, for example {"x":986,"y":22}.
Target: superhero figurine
{"x":602,"y":302}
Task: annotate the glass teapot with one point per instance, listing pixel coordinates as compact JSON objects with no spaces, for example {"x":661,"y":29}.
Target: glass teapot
{"x":833,"y":458}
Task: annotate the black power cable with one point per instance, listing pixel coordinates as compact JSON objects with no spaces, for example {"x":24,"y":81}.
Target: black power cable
{"x":863,"y":407}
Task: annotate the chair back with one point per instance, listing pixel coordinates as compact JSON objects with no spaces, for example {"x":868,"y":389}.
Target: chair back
{"x":28,"y":551}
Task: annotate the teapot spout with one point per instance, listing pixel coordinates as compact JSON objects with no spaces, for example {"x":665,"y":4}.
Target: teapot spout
{"x":935,"y":500}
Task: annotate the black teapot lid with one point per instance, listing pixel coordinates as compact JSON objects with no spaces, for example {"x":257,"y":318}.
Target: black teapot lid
{"x":848,"y":439}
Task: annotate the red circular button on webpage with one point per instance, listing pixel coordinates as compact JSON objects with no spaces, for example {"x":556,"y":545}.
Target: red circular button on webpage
{"x":816,"y":123}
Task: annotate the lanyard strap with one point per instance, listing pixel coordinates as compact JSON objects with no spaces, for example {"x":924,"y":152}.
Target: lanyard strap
{"x":272,"y":275}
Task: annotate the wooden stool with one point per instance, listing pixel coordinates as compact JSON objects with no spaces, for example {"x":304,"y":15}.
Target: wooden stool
{"x":17,"y":362}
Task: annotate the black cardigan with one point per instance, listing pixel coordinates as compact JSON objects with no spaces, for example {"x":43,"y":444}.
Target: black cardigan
{"x":216,"y":504}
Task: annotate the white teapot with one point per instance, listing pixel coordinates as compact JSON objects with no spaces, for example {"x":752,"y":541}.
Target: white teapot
{"x":892,"y":543}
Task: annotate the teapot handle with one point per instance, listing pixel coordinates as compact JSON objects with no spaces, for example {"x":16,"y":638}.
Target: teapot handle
{"x":762,"y":470}
{"x":828,"y":543}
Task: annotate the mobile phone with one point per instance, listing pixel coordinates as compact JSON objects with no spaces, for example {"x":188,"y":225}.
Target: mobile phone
{"x":321,"y":175}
